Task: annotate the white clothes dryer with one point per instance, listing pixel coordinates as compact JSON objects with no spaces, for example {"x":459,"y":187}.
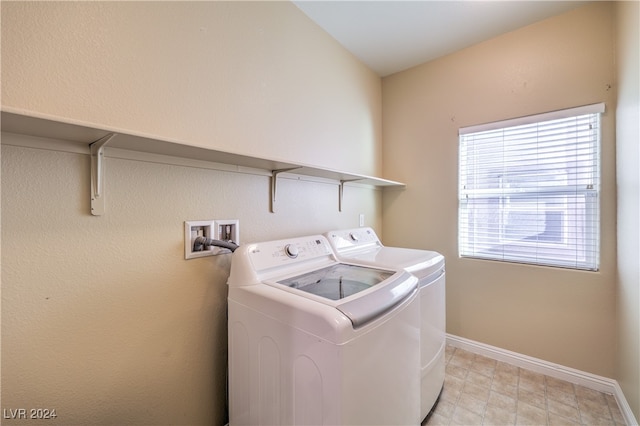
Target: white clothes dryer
{"x":316,"y":341}
{"x":362,"y":246}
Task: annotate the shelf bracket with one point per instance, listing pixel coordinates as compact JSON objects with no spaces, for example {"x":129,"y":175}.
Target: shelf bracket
{"x":97,"y":174}
{"x":274,"y":185}
{"x":341,"y":192}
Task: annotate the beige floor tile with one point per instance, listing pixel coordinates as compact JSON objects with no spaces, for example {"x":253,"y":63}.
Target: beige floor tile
{"x":506,"y":377}
{"x":508,"y":368}
{"x":481,"y":359}
{"x":450,"y":394}
{"x":461,"y":359}
{"x":590,"y":419}
{"x":444,"y":409}
{"x":561,"y":396}
{"x":498,"y":416}
{"x":564,"y":410}
{"x":557,"y":420}
{"x":456,"y":371}
{"x":505,"y":389}
{"x":593,"y":414}
{"x":559,"y":385}
{"x":531,"y":376}
{"x":478,"y":392}
{"x":593,"y":409}
{"x":530,"y":384}
{"x":502,"y":401}
{"x":453,"y":382}
{"x":536,"y":399}
{"x":462,"y":416}
{"x":472,"y":404}
{"x":478,"y":379}
{"x":529,"y":415}
{"x":436,"y":420}
{"x":589,"y":394}
{"x":483,"y":365}
{"x":481,"y":391}
{"x":531,"y":381}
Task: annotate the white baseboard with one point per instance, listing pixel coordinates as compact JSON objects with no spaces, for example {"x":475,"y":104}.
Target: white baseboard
{"x":582,"y":378}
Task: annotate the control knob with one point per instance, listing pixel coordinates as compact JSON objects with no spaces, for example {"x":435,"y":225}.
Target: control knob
{"x":291,"y":251}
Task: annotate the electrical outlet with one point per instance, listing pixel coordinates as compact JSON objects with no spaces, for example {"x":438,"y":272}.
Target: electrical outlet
{"x":361,"y":219}
{"x":193,"y":230}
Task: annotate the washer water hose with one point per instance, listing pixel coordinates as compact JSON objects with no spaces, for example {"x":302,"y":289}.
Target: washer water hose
{"x":201,"y":243}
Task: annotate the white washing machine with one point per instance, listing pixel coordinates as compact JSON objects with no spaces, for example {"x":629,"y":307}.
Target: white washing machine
{"x":317,"y":341}
{"x":362,"y":246}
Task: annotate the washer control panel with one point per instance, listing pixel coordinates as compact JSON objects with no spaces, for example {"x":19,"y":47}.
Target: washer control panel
{"x":288,"y":252}
{"x":353,"y":238}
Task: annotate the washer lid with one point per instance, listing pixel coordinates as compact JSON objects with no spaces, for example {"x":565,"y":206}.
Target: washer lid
{"x":361,"y":293}
{"x":338,"y":281}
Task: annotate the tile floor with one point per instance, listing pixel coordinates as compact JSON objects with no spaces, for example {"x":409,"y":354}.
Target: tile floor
{"x":482,"y":391}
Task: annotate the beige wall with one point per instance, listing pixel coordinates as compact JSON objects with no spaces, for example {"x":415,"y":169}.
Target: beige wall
{"x":562,"y":316}
{"x":102,"y":318}
{"x":256,"y":78}
{"x":628,"y":179}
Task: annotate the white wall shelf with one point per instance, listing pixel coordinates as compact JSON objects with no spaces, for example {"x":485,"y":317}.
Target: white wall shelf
{"x":96,"y":137}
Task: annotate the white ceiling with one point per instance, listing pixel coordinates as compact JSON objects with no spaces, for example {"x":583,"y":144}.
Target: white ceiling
{"x":391,"y":36}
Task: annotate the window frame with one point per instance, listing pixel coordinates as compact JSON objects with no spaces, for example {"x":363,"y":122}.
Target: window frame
{"x":585,"y":197}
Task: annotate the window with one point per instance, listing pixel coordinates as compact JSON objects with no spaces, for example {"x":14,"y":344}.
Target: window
{"x":529,"y":189}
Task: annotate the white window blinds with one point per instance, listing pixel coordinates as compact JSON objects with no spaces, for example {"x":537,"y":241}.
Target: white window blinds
{"x":529,"y":189}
